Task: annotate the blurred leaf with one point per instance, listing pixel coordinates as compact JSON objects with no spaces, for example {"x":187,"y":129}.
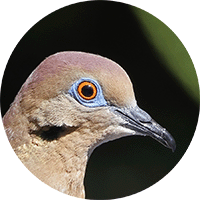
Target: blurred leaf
{"x":171,"y":51}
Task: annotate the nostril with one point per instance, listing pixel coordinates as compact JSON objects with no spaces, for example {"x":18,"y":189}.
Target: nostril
{"x":146,"y":122}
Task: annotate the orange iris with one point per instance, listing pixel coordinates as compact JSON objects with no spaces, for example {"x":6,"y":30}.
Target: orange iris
{"x":87,"y":90}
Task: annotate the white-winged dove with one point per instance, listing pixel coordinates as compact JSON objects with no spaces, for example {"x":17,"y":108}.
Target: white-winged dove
{"x":70,"y":104}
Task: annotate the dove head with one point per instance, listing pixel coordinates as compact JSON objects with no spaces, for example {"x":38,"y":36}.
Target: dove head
{"x":89,"y":92}
{"x":70,"y":104}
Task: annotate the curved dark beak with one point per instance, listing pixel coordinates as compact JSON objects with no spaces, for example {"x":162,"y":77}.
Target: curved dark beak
{"x":141,"y":122}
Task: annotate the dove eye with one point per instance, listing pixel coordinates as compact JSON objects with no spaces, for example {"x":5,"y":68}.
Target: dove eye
{"x":87,"y":90}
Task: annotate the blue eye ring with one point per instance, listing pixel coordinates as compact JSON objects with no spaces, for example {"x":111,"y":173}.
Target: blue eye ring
{"x":96,"y":100}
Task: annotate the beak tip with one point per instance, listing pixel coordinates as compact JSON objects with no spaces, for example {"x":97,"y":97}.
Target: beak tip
{"x":171,"y":143}
{"x":173,"y":146}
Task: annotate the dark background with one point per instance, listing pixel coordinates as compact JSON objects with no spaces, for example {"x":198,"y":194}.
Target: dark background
{"x":131,"y":164}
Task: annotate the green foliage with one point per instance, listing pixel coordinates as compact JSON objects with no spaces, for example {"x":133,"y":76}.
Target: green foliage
{"x":171,"y":51}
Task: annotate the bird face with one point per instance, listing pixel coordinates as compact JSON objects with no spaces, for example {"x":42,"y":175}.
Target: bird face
{"x":127,"y":120}
{"x":70,"y":104}
{"x":90,"y":93}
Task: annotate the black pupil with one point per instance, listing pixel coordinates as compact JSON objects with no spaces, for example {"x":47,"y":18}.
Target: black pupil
{"x":87,"y":90}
